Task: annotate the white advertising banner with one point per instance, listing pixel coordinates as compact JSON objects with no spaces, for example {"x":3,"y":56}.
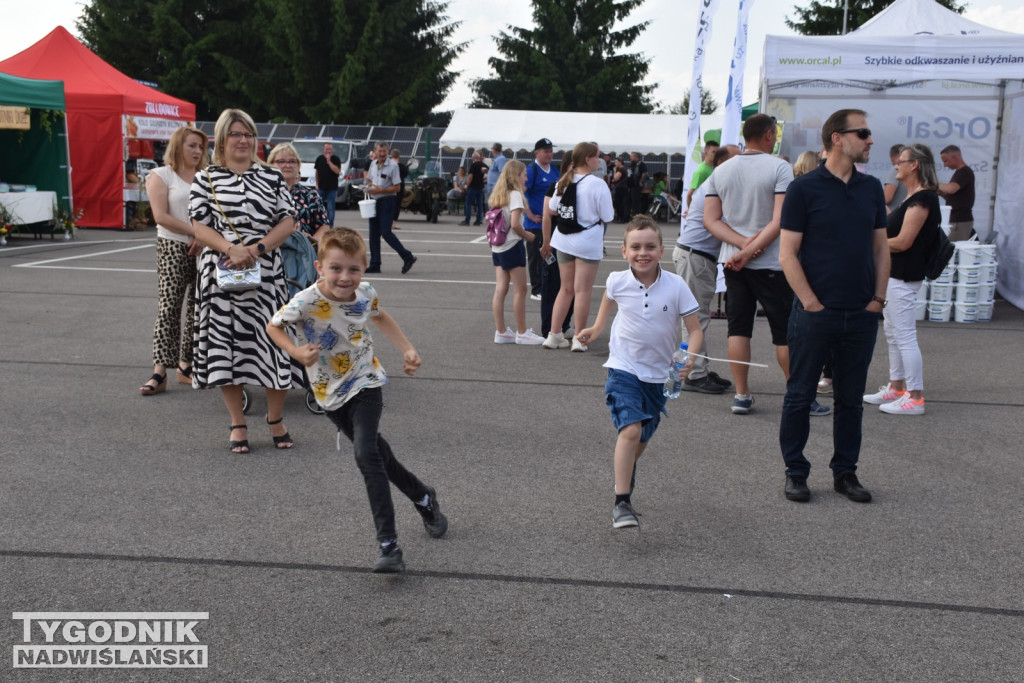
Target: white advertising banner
{"x":1009,"y":214}
{"x":707,"y":13}
{"x":732,"y":126}
{"x":149,"y":128}
{"x":970,"y":124}
{"x":919,"y":57}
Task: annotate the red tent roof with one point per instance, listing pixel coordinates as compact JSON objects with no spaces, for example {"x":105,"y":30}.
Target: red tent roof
{"x":90,"y":84}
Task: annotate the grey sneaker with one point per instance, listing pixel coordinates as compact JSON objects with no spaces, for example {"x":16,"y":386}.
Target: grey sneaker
{"x":742,"y":406}
{"x":390,"y":560}
{"x":819,"y":410}
{"x":623,"y":515}
{"x":434,"y":521}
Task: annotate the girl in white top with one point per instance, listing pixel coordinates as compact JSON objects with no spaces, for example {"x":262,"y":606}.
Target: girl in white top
{"x":579,"y":254}
{"x":168,"y":189}
{"x":509,"y":259}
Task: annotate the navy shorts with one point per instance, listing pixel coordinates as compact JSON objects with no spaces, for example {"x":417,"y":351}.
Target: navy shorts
{"x":632,"y":400}
{"x":510,"y":258}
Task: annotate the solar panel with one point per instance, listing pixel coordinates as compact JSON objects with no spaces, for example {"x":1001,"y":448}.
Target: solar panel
{"x":309,"y":130}
{"x":264,"y":130}
{"x":406,"y":133}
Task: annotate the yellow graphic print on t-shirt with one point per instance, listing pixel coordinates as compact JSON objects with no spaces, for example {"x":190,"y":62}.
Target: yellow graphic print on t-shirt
{"x":320,"y":390}
{"x":321,"y":309}
{"x":341,"y":363}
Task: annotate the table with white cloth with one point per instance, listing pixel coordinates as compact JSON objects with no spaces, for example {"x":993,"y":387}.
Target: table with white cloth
{"x":30,"y":209}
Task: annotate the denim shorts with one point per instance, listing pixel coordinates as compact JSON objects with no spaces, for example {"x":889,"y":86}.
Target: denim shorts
{"x":510,"y":258}
{"x":631,"y":400}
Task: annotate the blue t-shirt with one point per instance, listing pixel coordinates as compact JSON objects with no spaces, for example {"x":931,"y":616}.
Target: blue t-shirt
{"x":838,"y":221}
{"x":537,"y":183}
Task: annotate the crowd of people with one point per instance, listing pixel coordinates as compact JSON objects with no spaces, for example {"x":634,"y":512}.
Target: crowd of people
{"x":821,"y":247}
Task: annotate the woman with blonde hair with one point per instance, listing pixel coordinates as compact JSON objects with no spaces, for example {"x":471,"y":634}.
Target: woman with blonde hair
{"x":509,"y":259}
{"x":579,"y":253}
{"x":168,"y":188}
{"x":242,"y":212}
{"x":913,"y":230}
{"x":805,"y":163}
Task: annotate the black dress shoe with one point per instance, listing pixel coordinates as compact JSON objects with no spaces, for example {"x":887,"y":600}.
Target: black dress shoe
{"x":848,"y":485}
{"x":408,"y":264}
{"x":372,"y":269}
{"x":796,"y":489}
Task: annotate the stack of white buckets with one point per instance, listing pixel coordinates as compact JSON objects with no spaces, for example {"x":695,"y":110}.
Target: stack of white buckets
{"x":967,"y":287}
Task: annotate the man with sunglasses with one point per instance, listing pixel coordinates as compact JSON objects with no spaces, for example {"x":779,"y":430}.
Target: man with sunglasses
{"x":835,"y":253}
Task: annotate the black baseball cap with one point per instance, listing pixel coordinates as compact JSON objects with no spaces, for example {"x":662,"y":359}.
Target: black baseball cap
{"x":543,"y":143}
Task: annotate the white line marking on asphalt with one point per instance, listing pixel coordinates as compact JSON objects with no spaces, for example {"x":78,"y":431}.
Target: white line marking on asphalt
{"x":38,"y":264}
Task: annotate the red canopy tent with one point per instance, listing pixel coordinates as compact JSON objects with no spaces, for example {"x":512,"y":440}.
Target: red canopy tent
{"x":99,"y":101}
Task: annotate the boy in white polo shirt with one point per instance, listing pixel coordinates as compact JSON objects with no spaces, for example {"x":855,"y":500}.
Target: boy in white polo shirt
{"x":644,"y":335}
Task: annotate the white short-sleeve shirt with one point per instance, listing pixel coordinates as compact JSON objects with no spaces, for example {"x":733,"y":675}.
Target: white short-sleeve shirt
{"x":515,"y":201}
{"x":645,"y":330}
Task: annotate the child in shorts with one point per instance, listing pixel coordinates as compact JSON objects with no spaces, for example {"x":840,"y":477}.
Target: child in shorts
{"x":644,"y":335}
{"x":336,"y":349}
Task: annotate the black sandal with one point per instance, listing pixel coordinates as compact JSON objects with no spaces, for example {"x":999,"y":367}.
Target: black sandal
{"x":280,"y":441}
{"x":240,"y":445}
{"x":185,"y":376}
{"x":161,"y":385}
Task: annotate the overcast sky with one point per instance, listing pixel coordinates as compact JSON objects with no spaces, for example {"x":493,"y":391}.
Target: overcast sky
{"x":667,"y":42}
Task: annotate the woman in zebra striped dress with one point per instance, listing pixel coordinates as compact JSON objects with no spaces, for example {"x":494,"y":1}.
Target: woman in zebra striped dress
{"x":238,"y":193}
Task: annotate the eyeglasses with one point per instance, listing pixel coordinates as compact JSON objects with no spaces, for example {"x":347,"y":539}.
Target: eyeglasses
{"x":234,"y":135}
{"x":904,"y":161}
{"x":862,"y":133}
{"x":286,"y":162}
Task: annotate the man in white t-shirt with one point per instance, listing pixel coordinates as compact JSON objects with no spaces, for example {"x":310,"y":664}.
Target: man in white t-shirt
{"x":742,"y":208}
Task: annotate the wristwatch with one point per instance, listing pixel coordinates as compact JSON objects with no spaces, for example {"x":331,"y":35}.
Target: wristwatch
{"x":880,"y":300}
{"x":260,"y":247}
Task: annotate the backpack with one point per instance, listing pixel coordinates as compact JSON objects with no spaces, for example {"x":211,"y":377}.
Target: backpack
{"x":497,"y":228}
{"x":940,"y":256}
{"x":566,"y":221}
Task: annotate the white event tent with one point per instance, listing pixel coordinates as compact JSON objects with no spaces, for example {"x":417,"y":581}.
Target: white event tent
{"x":924,"y":74}
{"x":520,"y":130}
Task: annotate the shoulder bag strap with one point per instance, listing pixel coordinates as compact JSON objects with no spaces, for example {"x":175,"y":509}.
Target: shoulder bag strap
{"x":219,"y":208}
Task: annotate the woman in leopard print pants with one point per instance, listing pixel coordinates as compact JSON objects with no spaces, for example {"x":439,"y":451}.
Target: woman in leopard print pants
{"x":168,"y":188}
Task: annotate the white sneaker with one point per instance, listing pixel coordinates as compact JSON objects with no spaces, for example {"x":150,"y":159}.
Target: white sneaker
{"x":884,"y":395}
{"x":578,"y":346}
{"x":535,"y":297}
{"x":506,"y":337}
{"x":904,"y":405}
{"x":556,"y":340}
{"x":528,"y":338}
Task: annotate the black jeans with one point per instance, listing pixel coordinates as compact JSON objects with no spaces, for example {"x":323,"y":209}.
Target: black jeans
{"x":380,"y":227}
{"x":358,"y":420}
{"x":848,"y":338}
{"x":534,"y":262}
{"x":550,"y":283}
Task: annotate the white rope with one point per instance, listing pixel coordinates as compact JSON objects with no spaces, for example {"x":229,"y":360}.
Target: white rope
{"x":726,"y":360}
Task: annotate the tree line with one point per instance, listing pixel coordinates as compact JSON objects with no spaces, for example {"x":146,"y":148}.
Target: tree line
{"x":390,"y":61}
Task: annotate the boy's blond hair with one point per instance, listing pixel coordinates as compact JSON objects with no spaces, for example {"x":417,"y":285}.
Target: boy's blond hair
{"x":346,"y":239}
{"x":642,"y":221}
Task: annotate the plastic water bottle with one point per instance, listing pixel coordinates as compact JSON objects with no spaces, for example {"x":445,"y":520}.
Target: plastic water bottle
{"x":674,"y":385}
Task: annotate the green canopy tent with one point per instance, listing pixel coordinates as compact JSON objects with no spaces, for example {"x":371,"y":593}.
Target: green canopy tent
{"x":38,"y":156}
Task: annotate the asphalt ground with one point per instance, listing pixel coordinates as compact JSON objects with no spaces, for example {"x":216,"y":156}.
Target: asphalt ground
{"x":113,"y":502}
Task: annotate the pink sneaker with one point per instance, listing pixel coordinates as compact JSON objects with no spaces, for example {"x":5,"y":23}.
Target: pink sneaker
{"x":885,"y":395}
{"x":904,"y":405}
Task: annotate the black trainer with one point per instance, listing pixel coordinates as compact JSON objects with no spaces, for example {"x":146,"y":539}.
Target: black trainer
{"x":849,"y":486}
{"x":407,"y":265}
{"x":390,"y":560}
{"x":718,"y":379}
{"x":703,"y":385}
{"x":796,"y":489}
{"x":434,"y":521}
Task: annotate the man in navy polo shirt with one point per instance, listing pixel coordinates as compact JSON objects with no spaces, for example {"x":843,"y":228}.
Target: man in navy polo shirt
{"x":834,"y":252}
{"x":540,"y":175}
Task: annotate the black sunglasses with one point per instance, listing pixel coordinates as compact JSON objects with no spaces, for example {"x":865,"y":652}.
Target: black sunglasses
{"x":862,"y":133}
